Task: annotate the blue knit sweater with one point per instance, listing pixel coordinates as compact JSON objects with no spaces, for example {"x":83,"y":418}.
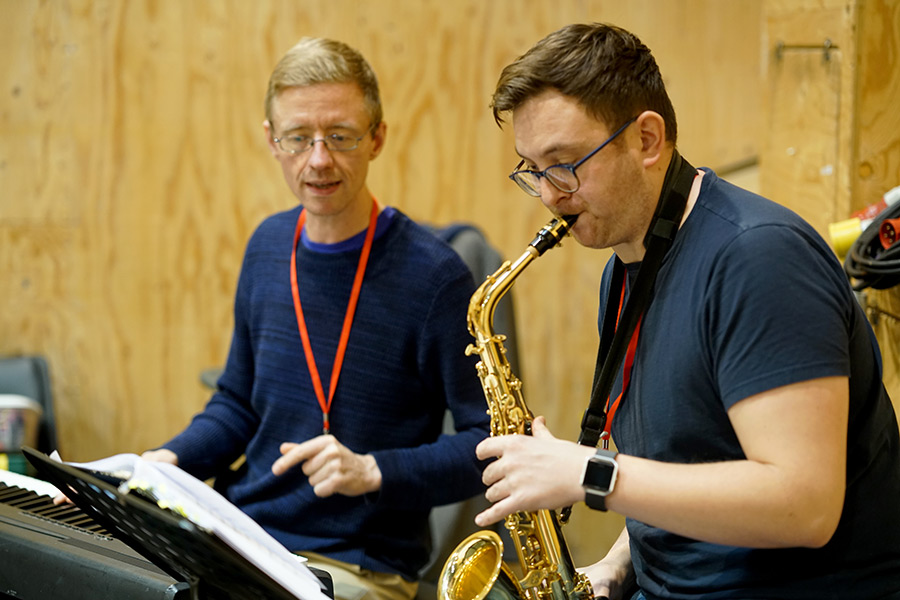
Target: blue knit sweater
{"x":404,"y":366}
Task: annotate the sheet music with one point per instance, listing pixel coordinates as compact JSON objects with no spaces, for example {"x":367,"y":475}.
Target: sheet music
{"x":186,"y":495}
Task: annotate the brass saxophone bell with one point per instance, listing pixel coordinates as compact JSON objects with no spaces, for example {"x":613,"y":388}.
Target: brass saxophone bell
{"x":476,"y":571}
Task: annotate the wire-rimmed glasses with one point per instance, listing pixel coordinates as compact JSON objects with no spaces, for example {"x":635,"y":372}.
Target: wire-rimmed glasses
{"x":337,"y":142}
{"x":562,"y":176}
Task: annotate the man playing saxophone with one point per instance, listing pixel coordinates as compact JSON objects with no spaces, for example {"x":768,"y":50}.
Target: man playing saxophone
{"x":758,"y":452}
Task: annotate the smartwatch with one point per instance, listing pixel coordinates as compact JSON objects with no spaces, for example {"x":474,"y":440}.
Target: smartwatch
{"x":599,"y":478}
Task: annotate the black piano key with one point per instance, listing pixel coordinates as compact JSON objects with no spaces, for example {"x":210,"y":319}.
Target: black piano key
{"x":68,"y":515}
{"x":32,"y":502}
{"x":54,"y":511}
{"x":80,"y":521}
{"x":97,"y":530}
{"x":12,"y":493}
{"x":18,"y":496}
{"x":36,"y":504}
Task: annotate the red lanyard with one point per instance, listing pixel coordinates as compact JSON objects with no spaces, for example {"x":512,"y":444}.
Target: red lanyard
{"x":348,"y":318}
{"x":626,"y":371}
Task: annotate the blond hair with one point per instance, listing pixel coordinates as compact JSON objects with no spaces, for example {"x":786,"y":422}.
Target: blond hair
{"x":321,"y":60}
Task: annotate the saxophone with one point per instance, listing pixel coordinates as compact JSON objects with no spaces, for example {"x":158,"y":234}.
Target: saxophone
{"x":475,"y":570}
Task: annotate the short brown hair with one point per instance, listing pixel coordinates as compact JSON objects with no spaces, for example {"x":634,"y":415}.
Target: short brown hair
{"x":320,"y":60}
{"x":606,"y":68}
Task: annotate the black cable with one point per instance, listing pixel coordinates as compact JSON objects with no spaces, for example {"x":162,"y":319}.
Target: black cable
{"x":868,"y":263}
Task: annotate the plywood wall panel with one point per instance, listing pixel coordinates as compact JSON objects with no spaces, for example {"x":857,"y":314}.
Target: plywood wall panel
{"x":810,"y":59}
{"x":878,"y":166}
{"x":860,"y":143}
{"x":878,"y":122}
{"x":801,"y":141}
{"x":133,"y":169}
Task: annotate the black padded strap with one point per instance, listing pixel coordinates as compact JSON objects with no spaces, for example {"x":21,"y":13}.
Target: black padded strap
{"x":614,"y":340}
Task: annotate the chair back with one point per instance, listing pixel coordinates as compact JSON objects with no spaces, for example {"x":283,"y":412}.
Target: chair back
{"x":452,"y":523}
{"x":29,"y":376}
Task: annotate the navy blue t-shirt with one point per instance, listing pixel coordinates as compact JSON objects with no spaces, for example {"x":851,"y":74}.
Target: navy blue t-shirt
{"x":748,"y":299}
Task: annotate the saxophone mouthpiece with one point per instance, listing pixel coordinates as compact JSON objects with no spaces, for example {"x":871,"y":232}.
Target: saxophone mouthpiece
{"x":569,"y":220}
{"x":552,"y":233}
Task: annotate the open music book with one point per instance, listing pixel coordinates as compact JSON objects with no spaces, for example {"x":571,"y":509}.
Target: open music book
{"x":173,"y":489}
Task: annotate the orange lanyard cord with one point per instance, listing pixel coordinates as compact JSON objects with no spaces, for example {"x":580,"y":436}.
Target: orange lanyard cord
{"x":626,"y":372}
{"x":348,"y":318}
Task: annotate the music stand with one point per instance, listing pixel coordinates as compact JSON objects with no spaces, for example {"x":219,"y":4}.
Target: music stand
{"x":213,"y":569}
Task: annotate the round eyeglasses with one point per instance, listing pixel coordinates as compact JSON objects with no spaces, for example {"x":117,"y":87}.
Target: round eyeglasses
{"x":562,"y":176}
{"x":337,"y":142}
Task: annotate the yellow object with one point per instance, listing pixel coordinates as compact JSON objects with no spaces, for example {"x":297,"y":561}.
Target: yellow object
{"x":4,"y":462}
{"x":844,"y":233}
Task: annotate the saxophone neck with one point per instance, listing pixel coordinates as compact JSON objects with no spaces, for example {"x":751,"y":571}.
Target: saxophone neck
{"x":485,"y":299}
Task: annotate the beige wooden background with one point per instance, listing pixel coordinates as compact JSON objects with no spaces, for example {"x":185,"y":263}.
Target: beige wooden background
{"x":133,"y":169}
{"x":831,"y":128}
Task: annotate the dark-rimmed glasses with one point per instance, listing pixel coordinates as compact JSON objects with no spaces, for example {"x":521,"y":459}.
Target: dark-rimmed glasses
{"x":562,"y":176}
{"x":338,"y":142}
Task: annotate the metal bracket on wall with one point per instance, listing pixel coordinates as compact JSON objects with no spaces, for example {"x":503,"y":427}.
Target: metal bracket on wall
{"x":826,"y":47}
{"x":873,"y":311}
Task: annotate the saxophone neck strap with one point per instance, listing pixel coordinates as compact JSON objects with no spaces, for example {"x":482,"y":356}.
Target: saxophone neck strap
{"x":619,"y":324}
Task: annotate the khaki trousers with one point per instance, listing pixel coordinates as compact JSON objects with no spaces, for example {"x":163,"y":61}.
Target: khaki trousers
{"x":352,"y":582}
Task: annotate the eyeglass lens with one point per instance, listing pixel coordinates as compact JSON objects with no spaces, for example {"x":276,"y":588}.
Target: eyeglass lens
{"x":296,"y":144}
{"x":562,"y":177}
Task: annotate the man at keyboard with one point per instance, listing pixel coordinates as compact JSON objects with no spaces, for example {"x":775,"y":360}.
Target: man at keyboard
{"x":348,"y":348}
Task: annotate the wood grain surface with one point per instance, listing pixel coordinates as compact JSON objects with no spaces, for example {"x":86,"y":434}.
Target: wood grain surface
{"x":133,"y":169}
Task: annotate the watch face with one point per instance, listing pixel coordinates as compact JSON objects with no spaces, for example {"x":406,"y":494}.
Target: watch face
{"x":601,"y":475}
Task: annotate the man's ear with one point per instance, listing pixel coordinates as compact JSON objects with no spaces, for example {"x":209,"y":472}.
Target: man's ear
{"x":379,"y":134}
{"x":270,"y":138}
{"x":652,"y":131}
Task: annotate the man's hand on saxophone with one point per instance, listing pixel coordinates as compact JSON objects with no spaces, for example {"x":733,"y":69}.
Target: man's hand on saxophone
{"x":614,"y":573}
{"x":531,"y":472}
